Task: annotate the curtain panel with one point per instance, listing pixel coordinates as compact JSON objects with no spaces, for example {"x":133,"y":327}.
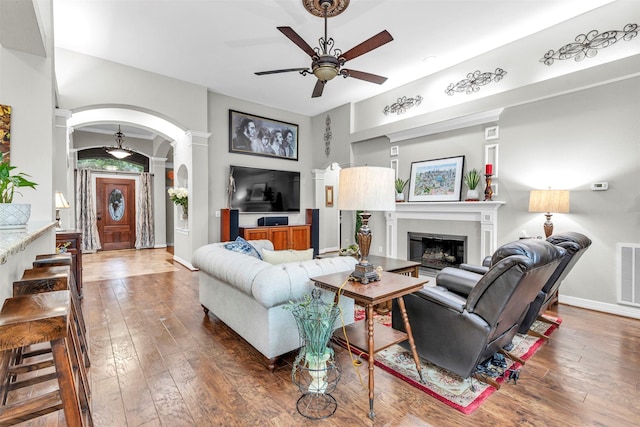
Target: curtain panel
{"x":85,"y":214}
{"x":144,"y":219}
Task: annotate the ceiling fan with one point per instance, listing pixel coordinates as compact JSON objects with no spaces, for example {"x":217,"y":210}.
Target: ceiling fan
{"x":327,"y":61}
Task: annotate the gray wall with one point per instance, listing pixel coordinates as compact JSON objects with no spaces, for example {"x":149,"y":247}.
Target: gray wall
{"x":220,"y":158}
{"x":566,"y":142}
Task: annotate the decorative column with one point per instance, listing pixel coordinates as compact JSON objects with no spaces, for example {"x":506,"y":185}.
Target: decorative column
{"x":158,"y":170}
{"x":199,"y":189}
{"x":63,"y":168}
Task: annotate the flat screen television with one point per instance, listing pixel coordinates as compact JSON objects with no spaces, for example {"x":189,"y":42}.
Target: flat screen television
{"x":265,"y":190}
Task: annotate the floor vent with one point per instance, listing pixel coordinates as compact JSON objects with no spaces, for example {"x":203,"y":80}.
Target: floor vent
{"x":629,"y":274}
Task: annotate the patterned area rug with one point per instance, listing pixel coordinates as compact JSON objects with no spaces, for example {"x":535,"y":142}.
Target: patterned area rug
{"x":464,"y":395}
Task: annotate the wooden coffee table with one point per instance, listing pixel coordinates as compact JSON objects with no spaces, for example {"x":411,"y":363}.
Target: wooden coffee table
{"x":361,"y":334}
{"x":393,"y":265}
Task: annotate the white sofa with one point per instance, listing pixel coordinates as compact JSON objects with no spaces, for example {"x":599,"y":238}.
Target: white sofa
{"x":248,"y":294}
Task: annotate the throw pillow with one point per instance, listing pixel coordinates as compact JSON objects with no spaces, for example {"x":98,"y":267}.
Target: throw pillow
{"x":242,"y":246}
{"x":289,"y":255}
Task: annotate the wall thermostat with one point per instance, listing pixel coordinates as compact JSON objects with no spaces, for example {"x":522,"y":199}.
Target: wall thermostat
{"x":600,"y":186}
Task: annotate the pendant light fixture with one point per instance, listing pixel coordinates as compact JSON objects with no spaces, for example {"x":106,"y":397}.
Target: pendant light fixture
{"x":118,"y":152}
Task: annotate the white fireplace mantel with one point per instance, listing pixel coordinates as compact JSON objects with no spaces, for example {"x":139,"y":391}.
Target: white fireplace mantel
{"x":486,"y":213}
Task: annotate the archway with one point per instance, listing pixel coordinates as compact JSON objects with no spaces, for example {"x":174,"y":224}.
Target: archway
{"x":169,"y":133}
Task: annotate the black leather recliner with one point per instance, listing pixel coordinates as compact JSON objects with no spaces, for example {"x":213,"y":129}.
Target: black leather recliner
{"x":575,"y":244}
{"x":458,"y":333}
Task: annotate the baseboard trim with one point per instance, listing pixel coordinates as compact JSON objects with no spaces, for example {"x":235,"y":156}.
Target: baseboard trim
{"x":329,"y":249}
{"x":185,"y":263}
{"x":619,"y":310}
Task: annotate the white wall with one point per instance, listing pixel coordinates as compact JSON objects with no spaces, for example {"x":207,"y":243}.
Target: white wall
{"x":85,"y":81}
{"x":26,"y":84}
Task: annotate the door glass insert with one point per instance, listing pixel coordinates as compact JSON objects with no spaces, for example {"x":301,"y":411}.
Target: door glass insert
{"x":116,"y":205}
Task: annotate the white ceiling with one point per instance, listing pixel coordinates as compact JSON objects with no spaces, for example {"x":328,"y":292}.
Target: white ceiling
{"x":219,"y":44}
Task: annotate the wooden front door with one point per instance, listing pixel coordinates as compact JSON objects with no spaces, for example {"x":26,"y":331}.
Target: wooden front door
{"x":116,"y":213}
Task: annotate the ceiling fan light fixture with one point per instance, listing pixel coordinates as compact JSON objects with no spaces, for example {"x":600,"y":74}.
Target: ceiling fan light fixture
{"x":326,"y":60}
{"x":326,"y":67}
{"x":325,"y":72}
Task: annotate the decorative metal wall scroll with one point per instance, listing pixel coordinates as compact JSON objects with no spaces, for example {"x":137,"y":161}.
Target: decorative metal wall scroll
{"x":474,"y":80}
{"x":327,"y":136}
{"x":402,"y":105}
{"x":587,"y":45}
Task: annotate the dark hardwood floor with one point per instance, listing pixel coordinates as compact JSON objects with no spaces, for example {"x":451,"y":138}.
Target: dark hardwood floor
{"x":157,"y":360}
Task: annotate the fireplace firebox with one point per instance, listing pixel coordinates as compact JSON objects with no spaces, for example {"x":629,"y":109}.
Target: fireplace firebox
{"x":437,"y":251}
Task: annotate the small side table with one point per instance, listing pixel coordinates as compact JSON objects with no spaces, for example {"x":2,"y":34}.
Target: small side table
{"x":392,"y":265}
{"x":361,"y":334}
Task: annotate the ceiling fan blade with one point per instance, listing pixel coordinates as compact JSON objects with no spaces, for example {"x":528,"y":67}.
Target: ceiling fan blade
{"x":373,"y":78}
{"x":285,"y":70}
{"x":374,"y":42}
{"x":294,"y":37}
{"x":319,"y":87}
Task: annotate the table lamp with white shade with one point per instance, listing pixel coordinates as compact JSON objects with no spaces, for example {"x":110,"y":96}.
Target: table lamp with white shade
{"x":61,"y":203}
{"x":366,"y":189}
{"x":549,"y":202}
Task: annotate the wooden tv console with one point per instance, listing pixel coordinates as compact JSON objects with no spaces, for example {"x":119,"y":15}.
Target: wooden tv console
{"x":298,"y":237}
{"x":283,"y":236}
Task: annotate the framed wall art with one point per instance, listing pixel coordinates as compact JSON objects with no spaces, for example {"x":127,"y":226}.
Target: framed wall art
{"x":5,"y":133}
{"x":249,"y":134}
{"x":436,"y":180}
{"x":328,"y":196}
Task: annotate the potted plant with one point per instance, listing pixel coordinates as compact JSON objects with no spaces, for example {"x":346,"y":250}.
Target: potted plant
{"x":472,"y":179}
{"x":13,"y":215}
{"x":400,"y":185}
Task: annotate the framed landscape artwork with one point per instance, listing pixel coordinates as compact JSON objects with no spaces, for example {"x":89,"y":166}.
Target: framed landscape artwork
{"x":259,"y":136}
{"x":436,"y":180}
